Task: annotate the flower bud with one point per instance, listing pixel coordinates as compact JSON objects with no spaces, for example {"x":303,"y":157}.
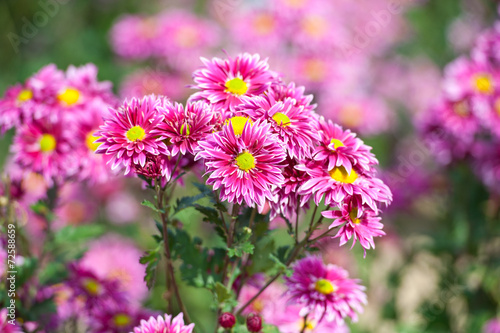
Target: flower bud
{"x":227,"y":320}
{"x":254,"y":323}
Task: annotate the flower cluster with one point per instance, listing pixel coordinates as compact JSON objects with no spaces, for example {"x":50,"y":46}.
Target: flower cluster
{"x":55,"y":115}
{"x":463,"y":124}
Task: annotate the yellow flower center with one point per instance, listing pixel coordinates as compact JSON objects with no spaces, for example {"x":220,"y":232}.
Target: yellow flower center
{"x":325,"y":287}
{"x":337,"y":143}
{"x":187,"y":37}
{"x":47,"y":143}
{"x":354,"y":216}
{"x":461,"y":108}
{"x":264,"y":24}
{"x":238,"y":123}
{"x":121,"y":320}
{"x":340,"y":174}
{"x":185,"y":129}
{"x":92,"y":287}
{"x":69,"y":96}
{"x":314,"y":70}
{"x":281,"y":119}
{"x":483,"y":83}
{"x":245,"y":161}
{"x":258,"y":306}
{"x":237,"y":86}
{"x":136,"y":133}
{"x":497,"y":106}
{"x":314,"y":25}
{"x":90,"y":141}
{"x":309,"y":325}
{"x":25,"y":95}
{"x":295,"y":3}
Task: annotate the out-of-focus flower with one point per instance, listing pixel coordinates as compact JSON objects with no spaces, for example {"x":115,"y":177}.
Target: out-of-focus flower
{"x":116,"y":258}
{"x":118,"y":319}
{"x":492,"y":326}
{"x":325,"y":291}
{"x":164,"y":324}
{"x":5,"y":325}
{"x":254,"y":322}
{"x":245,"y":167}
{"x":144,"y":82}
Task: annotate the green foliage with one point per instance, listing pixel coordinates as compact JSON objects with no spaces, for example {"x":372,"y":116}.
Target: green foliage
{"x":151,"y":259}
{"x":152,"y":206}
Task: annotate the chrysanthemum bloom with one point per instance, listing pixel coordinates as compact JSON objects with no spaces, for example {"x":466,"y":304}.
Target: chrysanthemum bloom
{"x":245,"y":167}
{"x":185,"y":36}
{"x":464,"y":78}
{"x":47,"y":148}
{"x":10,"y":107}
{"x":184,"y":127}
{"x":288,"y":198}
{"x":367,"y":115}
{"x":82,"y":86}
{"x":257,"y":30}
{"x":137,"y":37}
{"x":487,"y":48}
{"x":5,"y":326}
{"x":113,"y":257}
{"x":293,"y":124}
{"x":94,"y":290}
{"x":342,"y":148}
{"x":147,"y":82}
{"x":325,"y":291}
{"x":492,"y":326}
{"x":265,"y":302}
{"x":164,"y":325}
{"x":127,"y":135}
{"x":458,"y":117}
{"x":338,"y":184}
{"x":120,"y":318}
{"x":358,"y":224}
{"x":224,"y":82}
{"x":280,"y":91}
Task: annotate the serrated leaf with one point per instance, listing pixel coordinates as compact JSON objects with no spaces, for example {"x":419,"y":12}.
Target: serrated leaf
{"x":151,"y":259}
{"x":150,"y":205}
{"x":186,"y":202}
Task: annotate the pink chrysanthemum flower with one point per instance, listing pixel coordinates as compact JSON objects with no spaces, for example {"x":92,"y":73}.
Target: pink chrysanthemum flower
{"x":147,"y":82}
{"x":293,"y":124}
{"x":113,"y":257}
{"x":46,"y":148}
{"x":11,"y":113}
{"x":164,"y":325}
{"x":337,"y":185}
{"x":83,"y":84}
{"x":117,"y":319}
{"x":487,"y":48}
{"x":464,"y":78}
{"x":5,"y":326}
{"x":358,"y":224}
{"x":325,"y":291}
{"x":184,"y":127}
{"x":342,"y":148}
{"x":95,"y":291}
{"x":492,"y":326}
{"x":244,"y":161}
{"x":127,"y":135}
{"x":137,"y":37}
{"x":279,"y":92}
{"x":224,"y":82}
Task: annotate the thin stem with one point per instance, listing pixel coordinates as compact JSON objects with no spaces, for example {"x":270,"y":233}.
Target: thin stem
{"x":168,"y":256}
{"x":297,"y":225}
{"x":304,"y":326}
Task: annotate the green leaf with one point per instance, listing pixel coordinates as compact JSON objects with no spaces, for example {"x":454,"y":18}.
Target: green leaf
{"x":186,"y":202}
{"x":149,"y":204}
{"x":241,"y":328}
{"x":223,"y":294}
{"x":76,"y":234}
{"x":270,"y":329}
{"x":279,"y":266}
{"x":151,"y":259}
{"x":261,"y":261}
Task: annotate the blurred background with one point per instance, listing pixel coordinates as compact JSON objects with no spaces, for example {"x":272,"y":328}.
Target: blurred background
{"x":375,"y":66}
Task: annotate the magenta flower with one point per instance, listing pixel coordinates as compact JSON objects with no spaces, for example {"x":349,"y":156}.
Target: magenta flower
{"x":244,"y":167}
{"x":279,"y":92}
{"x":325,"y":291}
{"x":5,"y":327}
{"x":358,"y":224}
{"x":337,"y":185}
{"x":224,"y":82}
{"x":184,"y":127}
{"x":342,"y":148}
{"x":492,"y":326}
{"x":147,"y":82}
{"x":128,"y":134}
{"x":47,"y":148}
{"x":164,"y":325}
{"x":293,"y":124}
{"x":114,"y":318}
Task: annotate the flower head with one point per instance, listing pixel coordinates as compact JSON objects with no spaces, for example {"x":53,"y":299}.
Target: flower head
{"x":224,"y":82}
{"x":184,"y":127}
{"x":246,"y":167}
{"x":128,"y":134}
{"x":325,"y":291}
{"x":293,"y":124}
{"x":5,"y":326}
{"x":164,"y":325}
